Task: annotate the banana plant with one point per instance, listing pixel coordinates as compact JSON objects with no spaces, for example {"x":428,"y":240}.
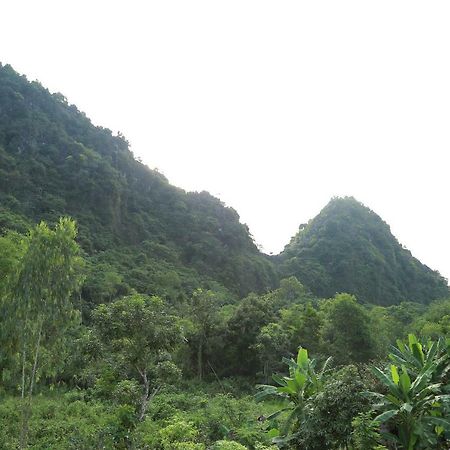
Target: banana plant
{"x":413,"y":404}
{"x":302,"y":383}
{"x":415,"y":356}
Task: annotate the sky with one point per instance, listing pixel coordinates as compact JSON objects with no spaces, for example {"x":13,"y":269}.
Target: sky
{"x":274,"y":107}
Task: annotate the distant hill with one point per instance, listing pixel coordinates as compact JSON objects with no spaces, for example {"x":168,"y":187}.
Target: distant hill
{"x":138,"y":231}
{"x":349,"y":248}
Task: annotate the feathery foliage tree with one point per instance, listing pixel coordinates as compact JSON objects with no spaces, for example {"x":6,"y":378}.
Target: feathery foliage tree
{"x":37,"y":300}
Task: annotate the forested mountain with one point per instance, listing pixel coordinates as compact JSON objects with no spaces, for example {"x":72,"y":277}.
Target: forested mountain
{"x":139,"y":231}
{"x":349,"y":248}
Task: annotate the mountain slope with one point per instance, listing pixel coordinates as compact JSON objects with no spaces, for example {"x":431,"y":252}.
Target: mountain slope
{"x":139,"y":231}
{"x":348,"y":248}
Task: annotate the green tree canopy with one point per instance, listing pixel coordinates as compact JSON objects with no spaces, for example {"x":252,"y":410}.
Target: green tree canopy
{"x":347,"y":333}
{"x":137,"y":334}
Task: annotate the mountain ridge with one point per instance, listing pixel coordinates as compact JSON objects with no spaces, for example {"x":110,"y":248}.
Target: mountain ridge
{"x":141,"y":233}
{"x":54,"y":162}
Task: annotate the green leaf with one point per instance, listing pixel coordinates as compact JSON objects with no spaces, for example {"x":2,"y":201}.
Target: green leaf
{"x":302,"y":357}
{"x":386,"y":381}
{"x":292,"y":386}
{"x":279,"y":380}
{"x":412,"y":340}
{"x":393,"y":399}
{"x":300,"y":378}
{"x":394,"y":372}
{"x":422,"y":379}
{"x":287,"y":390}
{"x":405,"y":381}
{"x":439,"y":421}
{"x":406,"y":407}
{"x":432,"y":352}
{"x":277,"y":413}
{"x":387,"y":415}
{"x":265,"y":391}
{"x":418,"y":352}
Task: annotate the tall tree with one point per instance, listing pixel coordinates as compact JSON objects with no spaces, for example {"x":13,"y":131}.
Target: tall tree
{"x":244,"y":326}
{"x":203,"y":314}
{"x":272,"y":342}
{"x":11,"y":251}
{"x":303,"y":322}
{"x":38,"y":298}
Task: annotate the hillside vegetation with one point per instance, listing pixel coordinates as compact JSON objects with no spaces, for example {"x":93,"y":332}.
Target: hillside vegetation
{"x":349,"y":248}
{"x":142,"y":233}
{"x":139,"y":231}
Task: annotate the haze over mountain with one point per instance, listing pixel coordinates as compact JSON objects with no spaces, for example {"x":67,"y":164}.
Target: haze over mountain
{"x":140,"y":232}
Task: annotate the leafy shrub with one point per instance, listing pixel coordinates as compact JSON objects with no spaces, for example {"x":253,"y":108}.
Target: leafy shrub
{"x":366,"y":433}
{"x":58,"y":424}
{"x":329,"y":414}
{"x":177,"y":434}
{"x":179,"y":430}
{"x":228,"y":445}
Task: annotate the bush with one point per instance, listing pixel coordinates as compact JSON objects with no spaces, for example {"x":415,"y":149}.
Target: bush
{"x":58,"y":423}
{"x":228,"y":445}
{"x":329,"y":415}
{"x":177,"y":434}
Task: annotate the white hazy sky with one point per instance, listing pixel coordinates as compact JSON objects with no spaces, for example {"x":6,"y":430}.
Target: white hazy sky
{"x":274,"y":106}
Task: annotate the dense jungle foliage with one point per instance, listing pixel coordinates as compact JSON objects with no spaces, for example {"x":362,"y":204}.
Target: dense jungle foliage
{"x":143,"y":373}
{"x":150,"y":320}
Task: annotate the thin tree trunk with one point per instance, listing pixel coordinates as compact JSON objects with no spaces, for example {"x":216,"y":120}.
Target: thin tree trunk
{"x":200,"y":360}
{"x":24,"y":358}
{"x":22,"y":395}
{"x":36,"y":355}
{"x":152,"y":395}
{"x":266,"y":372}
{"x":217,"y":378}
{"x":146,"y":398}
{"x":27,"y":407}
